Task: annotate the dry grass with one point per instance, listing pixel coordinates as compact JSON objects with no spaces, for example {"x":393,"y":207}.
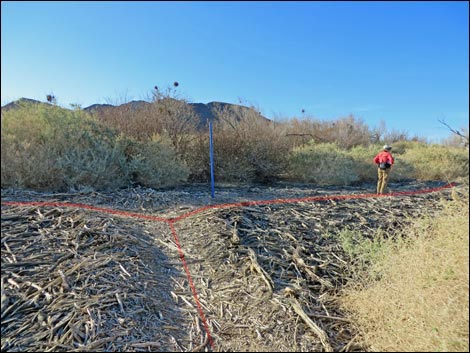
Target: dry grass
{"x":421,"y":301}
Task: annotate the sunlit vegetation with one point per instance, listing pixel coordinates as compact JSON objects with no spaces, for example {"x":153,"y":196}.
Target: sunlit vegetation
{"x":165,"y":143}
{"x":411,"y":290}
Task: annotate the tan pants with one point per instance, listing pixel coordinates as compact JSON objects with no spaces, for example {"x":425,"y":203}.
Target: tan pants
{"x":383,"y":180}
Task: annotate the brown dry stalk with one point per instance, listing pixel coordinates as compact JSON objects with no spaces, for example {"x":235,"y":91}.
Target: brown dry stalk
{"x":315,"y":328}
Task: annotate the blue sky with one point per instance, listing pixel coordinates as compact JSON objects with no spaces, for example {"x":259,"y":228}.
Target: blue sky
{"x":404,"y":63}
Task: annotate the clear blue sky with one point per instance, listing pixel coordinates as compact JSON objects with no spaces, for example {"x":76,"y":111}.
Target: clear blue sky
{"x":405,"y":63}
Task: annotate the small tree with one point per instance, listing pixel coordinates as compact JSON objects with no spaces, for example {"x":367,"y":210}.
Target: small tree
{"x":173,"y":117}
{"x":51,"y":99}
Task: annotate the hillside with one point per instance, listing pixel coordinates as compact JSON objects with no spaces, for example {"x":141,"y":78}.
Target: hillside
{"x":203,"y":112}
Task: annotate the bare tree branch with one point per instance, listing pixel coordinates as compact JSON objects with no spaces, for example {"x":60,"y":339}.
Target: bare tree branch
{"x":455,"y":131}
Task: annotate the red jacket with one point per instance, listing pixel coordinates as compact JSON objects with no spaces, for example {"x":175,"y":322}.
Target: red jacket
{"x":384,"y":157}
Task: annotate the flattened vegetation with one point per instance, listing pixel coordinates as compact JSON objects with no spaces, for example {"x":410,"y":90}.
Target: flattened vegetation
{"x":266,"y":276}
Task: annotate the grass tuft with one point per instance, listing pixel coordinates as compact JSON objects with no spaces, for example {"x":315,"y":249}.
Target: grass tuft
{"x":416,"y":299}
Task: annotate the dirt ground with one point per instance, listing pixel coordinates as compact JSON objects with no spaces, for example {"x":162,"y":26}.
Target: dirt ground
{"x":262,"y":277}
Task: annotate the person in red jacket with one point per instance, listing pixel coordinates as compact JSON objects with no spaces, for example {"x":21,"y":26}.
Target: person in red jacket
{"x":384,"y":161}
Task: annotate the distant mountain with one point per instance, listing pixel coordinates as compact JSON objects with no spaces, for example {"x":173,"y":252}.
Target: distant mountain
{"x":204,"y":112}
{"x":17,"y":103}
{"x":211,"y":110}
{"x":97,"y":107}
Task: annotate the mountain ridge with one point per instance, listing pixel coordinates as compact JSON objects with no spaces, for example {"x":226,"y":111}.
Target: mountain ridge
{"x":204,"y":111}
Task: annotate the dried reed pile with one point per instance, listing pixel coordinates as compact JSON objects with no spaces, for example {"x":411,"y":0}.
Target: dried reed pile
{"x":266,"y":276}
{"x":73,"y":280}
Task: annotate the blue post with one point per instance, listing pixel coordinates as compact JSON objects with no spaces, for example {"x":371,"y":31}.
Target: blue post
{"x":212,"y":158}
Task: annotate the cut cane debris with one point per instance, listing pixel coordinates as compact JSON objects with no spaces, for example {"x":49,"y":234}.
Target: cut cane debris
{"x":80,"y":279}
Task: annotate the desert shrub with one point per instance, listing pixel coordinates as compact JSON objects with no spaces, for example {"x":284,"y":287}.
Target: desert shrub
{"x":365,"y":251}
{"x":400,"y":147}
{"x":417,"y":300}
{"x":88,"y":155}
{"x":437,"y":162}
{"x":366,"y":169}
{"x":232,"y":157}
{"x":46,"y":147}
{"x":25,"y":159}
{"x":165,"y":114}
{"x":28,"y":165}
{"x":402,"y":170}
{"x":350,"y":131}
{"x":130,"y":119}
{"x":197,"y":158}
{"x":322,"y":164}
{"x":300,"y":131}
{"x":364,"y":165}
{"x":250,"y":144}
{"x":154,"y":163}
{"x":346,"y":132}
{"x":394,"y":136}
{"x":246,"y":149}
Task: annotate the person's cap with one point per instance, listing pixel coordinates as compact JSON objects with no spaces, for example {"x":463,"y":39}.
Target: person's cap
{"x":387,"y":147}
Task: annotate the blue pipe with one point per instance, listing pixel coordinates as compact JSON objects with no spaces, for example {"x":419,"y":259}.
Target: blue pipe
{"x":212,"y":158}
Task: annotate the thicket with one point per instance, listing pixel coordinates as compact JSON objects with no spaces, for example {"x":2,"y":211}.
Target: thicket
{"x":48,"y":148}
{"x":246,"y":149}
{"x":164,"y":143}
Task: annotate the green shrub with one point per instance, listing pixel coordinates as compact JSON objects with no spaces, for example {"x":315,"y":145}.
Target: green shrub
{"x":366,"y":169}
{"x":89,"y":156}
{"x":365,"y":252}
{"x":437,"y":162}
{"x":400,"y":147}
{"x":154,"y":163}
{"x":46,"y":147}
{"x":26,"y":164}
{"x":323,"y":164}
{"x":364,"y":165}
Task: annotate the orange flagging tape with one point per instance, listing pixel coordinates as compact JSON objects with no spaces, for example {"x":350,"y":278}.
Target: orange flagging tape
{"x":191,"y":284}
{"x":171,"y":221}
